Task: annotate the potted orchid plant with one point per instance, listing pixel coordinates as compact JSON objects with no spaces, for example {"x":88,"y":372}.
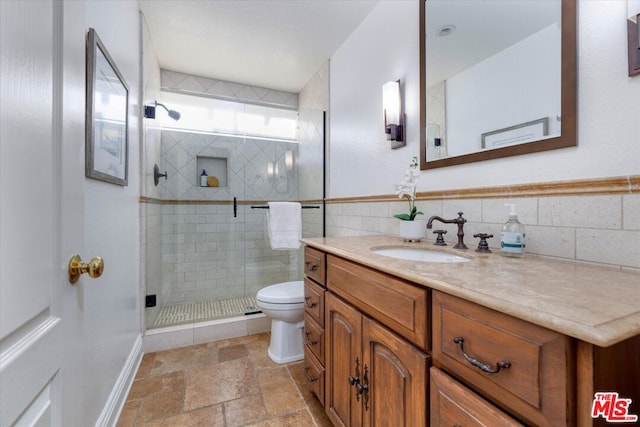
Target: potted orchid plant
{"x":410,"y":227}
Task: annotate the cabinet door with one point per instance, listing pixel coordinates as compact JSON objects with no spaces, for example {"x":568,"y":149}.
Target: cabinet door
{"x":396,"y":371}
{"x":343,"y":339}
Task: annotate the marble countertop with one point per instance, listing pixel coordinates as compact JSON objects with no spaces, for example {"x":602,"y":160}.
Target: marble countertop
{"x":596,"y":304}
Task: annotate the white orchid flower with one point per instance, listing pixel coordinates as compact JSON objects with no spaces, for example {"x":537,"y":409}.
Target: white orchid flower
{"x":408,"y":189}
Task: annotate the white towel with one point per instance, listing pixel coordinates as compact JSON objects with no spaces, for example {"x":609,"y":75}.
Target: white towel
{"x":285,"y":225}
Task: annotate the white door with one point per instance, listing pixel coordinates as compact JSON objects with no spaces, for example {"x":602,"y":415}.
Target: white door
{"x":41,"y":211}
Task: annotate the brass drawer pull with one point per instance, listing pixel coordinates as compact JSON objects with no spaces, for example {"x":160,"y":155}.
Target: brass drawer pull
{"x":306,"y":374}
{"x":313,"y":266}
{"x":482,"y":366}
{"x":309,"y":340}
{"x":310,"y":304}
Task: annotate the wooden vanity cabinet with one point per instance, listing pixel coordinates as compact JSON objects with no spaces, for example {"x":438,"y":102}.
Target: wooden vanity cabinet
{"x":373,"y":336}
{"x":315,"y":265}
{"x":373,"y":376}
{"x":397,"y":304}
{"x":314,"y":341}
{"x":523,"y":367}
{"x":453,"y":404}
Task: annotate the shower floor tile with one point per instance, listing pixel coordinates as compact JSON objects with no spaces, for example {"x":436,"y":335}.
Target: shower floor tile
{"x":205,"y":310}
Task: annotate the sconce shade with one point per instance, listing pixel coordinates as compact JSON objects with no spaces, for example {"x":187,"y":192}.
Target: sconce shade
{"x":392,"y":112}
{"x":391,"y":102}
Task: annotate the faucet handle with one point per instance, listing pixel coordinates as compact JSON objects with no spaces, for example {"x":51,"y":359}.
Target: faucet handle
{"x":440,"y":239}
{"x":483,"y":246}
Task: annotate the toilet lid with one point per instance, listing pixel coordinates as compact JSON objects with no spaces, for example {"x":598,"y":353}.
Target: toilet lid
{"x":282,"y":293}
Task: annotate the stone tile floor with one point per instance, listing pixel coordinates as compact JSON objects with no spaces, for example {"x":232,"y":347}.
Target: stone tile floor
{"x":229,"y":383}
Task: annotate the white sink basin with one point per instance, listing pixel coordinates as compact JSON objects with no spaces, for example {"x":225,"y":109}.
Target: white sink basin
{"x":420,"y":254}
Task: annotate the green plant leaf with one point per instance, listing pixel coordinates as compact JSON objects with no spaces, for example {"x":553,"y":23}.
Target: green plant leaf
{"x":403,"y":216}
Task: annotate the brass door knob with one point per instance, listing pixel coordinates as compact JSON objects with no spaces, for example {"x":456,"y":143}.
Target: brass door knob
{"x":95,"y":267}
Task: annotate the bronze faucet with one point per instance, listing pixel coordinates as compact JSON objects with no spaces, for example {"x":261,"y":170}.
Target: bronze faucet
{"x":460,"y":221}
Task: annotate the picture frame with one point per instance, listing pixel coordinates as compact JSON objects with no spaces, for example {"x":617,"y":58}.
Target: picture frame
{"x":107,"y":116}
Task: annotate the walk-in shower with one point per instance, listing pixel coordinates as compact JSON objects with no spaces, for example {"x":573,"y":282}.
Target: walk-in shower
{"x":206,"y":247}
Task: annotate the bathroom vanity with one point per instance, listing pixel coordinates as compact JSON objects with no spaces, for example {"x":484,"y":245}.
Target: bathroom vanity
{"x":492,"y":341}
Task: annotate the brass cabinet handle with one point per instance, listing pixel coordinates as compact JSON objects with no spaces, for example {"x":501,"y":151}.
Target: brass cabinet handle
{"x":306,"y":374}
{"x":310,"y":304}
{"x":313,"y":267}
{"x":309,"y":340}
{"x":94,"y":268}
{"x":482,"y":366}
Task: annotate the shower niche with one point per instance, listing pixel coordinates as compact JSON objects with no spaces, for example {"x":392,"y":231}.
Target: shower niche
{"x":216,"y":169}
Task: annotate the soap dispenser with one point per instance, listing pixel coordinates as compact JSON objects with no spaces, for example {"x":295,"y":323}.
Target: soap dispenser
{"x":512,"y":236}
{"x":203,"y":179}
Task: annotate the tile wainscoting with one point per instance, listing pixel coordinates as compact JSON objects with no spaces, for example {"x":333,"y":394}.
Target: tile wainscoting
{"x":595,"y":221}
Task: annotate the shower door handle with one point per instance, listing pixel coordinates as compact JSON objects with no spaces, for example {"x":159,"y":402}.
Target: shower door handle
{"x":235,"y":207}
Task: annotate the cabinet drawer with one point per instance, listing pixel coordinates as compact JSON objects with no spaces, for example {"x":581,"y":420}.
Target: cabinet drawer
{"x":452,"y":404}
{"x":314,"y":374}
{"x":314,"y":301}
{"x":314,"y":337}
{"x":397,"y":304}
{"x":315,"y":265}
{"x":469,"y":341}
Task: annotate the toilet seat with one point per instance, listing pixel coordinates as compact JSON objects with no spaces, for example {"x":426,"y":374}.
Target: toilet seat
{"x":282,"y":293}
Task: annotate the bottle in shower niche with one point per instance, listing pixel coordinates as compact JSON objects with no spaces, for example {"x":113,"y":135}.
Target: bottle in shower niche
{"x":512,"y":236}
{"x":203,"y":179}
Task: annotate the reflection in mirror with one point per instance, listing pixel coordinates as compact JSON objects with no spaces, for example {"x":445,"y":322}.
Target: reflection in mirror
{"x":498,"y":78}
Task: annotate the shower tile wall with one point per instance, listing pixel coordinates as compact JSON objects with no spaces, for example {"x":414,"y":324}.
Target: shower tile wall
{"x":247,"y":161}
{"x":173,"y":81}
{"x":314,"y":99}
{"x":208,"y":254}
{"x":150,"y":213}
{"x":205,"y":253}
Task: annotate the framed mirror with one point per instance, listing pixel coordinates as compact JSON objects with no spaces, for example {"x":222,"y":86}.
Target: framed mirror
{"x":498,"y":78}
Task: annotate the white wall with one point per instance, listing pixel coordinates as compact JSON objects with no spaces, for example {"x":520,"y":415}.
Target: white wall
{"x":112,"y":303}
{"x":386,"y":47}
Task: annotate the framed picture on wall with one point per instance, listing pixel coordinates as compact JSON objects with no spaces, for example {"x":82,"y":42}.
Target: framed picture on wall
{"x":107,"y":142}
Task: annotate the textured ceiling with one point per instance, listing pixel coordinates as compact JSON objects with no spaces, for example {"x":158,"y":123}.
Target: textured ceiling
{"x":277,"y":44}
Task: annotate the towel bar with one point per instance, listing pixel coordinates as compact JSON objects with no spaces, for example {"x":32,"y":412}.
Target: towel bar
{"x":303,"y":207}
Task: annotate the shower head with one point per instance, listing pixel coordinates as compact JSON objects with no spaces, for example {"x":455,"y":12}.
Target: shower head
{"x":172,"y":113}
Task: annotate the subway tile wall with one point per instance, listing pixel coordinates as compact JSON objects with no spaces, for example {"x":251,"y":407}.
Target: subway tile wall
{"x":208,"y":254}
{"x":596,"y":229}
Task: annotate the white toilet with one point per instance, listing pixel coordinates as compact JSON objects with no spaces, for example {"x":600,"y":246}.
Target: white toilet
{"x":284,"y":304}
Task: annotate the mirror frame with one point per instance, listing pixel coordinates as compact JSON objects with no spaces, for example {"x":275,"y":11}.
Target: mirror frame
{"x":568,"y":101}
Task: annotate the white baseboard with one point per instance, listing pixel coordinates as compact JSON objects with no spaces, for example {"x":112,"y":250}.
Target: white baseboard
{"x":117,"y":398}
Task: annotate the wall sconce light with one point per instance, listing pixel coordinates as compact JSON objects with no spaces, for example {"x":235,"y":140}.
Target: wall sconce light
{"x":394,"y":119}
{"x":633,"y":36}
{"x":288,"y":160}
